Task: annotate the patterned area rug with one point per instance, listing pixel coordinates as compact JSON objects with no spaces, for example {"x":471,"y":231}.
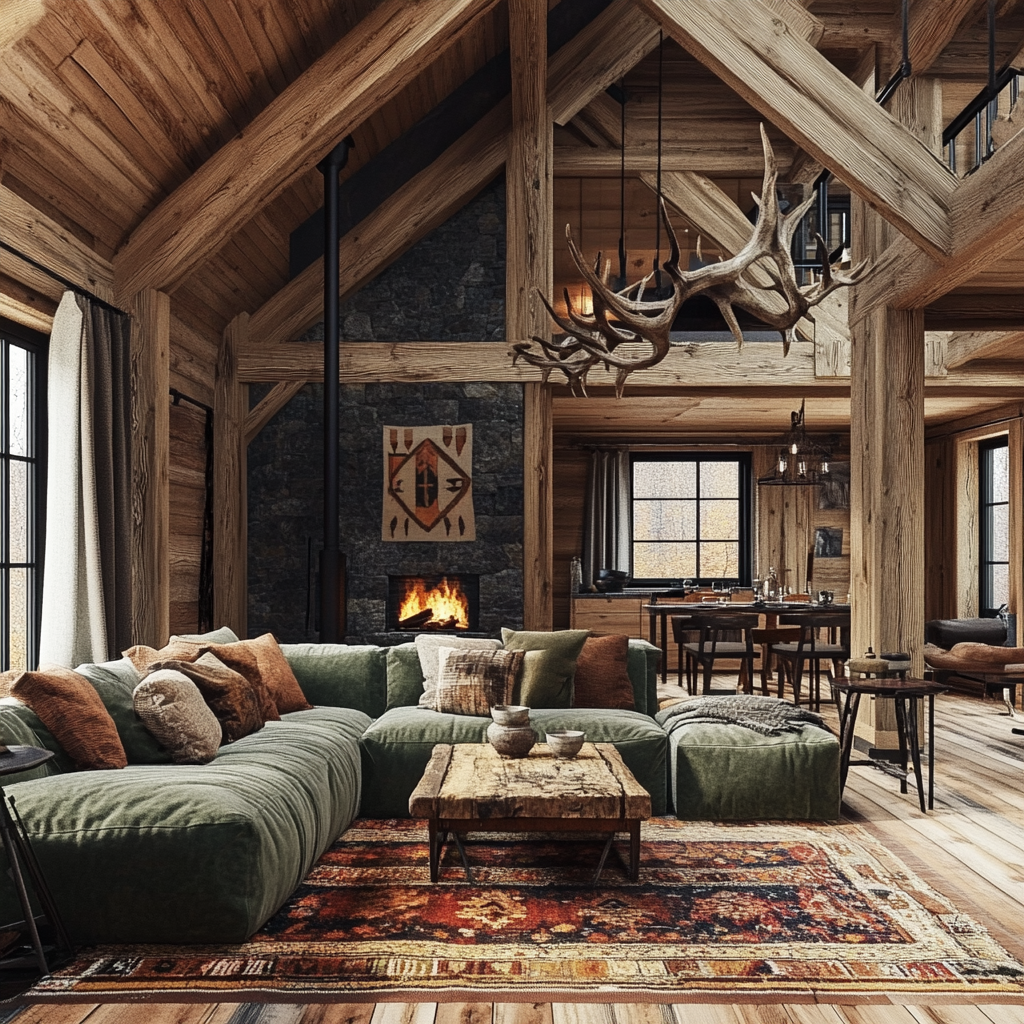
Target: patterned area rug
{"x":719,"y":908}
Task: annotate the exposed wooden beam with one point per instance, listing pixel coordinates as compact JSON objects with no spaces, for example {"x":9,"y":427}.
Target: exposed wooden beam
{"x":964,"y":346}
{"x":24,"y":314}
{"x":370,"y":65}
{"x":705,"y":364}
{"x":426,"y":201}
{"x":800,"y":21}
{"x":587,"y":65}
{"x":230,"y":409}
{"x":987,"y":219}
{"x":151,"y":565}
{"x":268,"y":407}
{"x":538,"y":508}
{"x":45,"y":241}
{"x":727,"y":158}
{"x":976,"y":311}
{"x":791,"y":84}
{"x":932,"y":25}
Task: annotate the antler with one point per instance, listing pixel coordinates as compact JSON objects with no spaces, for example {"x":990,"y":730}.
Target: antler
{"x":623,"y":318}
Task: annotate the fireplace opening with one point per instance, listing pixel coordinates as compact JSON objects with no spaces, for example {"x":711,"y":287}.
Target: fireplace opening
{"x":443,"y":604}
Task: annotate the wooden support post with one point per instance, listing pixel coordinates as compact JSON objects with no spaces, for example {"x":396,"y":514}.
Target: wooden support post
{"x":150,"y":384}
{"x":538,"y":516}
{"x":230,"y":410}
{"x":1016,"y":456}
{"x":967,"y":528}
{"x":528,"y":276}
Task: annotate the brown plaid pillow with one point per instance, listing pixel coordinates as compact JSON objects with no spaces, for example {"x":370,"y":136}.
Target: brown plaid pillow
{"x":472,"y":682}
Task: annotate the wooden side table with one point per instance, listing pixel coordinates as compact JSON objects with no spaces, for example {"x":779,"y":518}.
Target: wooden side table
{"x":905,"y":694}
{"x":21,"y":859}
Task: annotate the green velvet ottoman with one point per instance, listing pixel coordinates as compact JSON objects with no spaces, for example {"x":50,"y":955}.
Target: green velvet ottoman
{"x":720,"y":772}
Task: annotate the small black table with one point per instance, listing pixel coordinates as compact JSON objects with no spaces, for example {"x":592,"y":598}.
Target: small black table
{"x":905,"y":693}
{"x":21,"y":859}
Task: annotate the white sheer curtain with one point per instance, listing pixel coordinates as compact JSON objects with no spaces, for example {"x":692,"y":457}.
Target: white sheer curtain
{"x":86,"y":613}
{"x":606,"y":516}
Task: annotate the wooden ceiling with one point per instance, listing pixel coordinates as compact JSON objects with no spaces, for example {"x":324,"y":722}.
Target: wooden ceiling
{"x":106,"y":108}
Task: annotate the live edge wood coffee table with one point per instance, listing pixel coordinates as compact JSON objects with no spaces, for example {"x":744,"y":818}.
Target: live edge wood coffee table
{"x":470,"y":787}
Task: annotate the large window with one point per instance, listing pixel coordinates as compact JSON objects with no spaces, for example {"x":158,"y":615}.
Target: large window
{"x":994,"y":534}
{"x":691,"y":518}
{"x":22,"y":483}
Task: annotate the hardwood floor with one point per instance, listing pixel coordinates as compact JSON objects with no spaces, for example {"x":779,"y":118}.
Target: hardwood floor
{"x":971,"y":848}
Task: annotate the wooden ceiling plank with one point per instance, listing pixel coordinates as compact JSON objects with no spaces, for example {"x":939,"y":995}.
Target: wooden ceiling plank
{"x":382,"y":54}
{"x":720,"y":156}
{"x":820,"y":109}
{"x":277,"y":74}
{"x":46,"y":242}
{"x":577,"y":77}
{"x":987,"y":224}
{"x":932,"y":24}
{"x":20,"y":17}
{"x":965,"y":346}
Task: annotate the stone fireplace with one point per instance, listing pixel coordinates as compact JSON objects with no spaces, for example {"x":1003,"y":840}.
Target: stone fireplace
{"x":442,"y":604}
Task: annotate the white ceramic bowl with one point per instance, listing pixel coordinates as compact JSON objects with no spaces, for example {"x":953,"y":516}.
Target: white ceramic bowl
{"x":565,"y":742}
{"x":510,"y":714}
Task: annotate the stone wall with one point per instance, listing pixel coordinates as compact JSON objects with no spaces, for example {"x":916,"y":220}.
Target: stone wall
{"x":450,"y":286}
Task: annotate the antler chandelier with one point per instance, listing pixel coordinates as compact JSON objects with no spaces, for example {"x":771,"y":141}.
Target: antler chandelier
{"x":626,"y":333}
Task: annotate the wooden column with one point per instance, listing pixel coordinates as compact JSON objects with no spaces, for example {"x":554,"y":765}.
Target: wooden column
{"x":1016,"y":455}
{"x":528,"y":275}
{"x":230,"y":553}
{"x":150,"y":384}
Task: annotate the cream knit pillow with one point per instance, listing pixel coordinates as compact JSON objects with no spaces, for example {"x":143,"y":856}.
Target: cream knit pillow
{"x":173,"y":711}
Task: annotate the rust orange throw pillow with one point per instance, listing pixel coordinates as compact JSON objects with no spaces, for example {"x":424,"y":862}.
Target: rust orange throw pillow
{"x":69,"y":706}
{"x":227,"y":694}
{"x":602,"y":678}
{"x":273,"y":669}
{"x":142,"y":657}
{"x":242,"y":658}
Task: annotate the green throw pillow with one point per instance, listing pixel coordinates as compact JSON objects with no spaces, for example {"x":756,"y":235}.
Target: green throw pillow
{"x":549,"y":665}
{"x":405,"y":677}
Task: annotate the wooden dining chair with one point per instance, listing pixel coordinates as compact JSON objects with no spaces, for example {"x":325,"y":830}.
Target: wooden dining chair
{"x":711,"y":646}
{"x":683,"y":628}
{"x":809,"y":650}
{"x":765,"y":638}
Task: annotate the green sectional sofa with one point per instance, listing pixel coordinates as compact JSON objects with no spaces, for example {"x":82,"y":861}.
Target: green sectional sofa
{"x":167,"y":853}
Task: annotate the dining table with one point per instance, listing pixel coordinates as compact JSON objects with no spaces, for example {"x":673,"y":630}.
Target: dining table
{"x":659,"y":611}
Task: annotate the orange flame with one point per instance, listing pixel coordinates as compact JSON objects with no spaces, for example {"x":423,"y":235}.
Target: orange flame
{"x":447,"y":602}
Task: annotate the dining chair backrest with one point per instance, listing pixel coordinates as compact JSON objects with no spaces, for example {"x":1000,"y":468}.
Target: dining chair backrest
{"x":811,"y":622}
{"x":713,"y":624}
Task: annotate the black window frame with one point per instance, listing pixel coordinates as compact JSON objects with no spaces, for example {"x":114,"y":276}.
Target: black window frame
{"x":746,"y":502}
{"x":985,"y":506}
{"x":38,"y":345}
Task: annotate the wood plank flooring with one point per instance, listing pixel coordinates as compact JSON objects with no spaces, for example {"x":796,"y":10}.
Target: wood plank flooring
{"x":971,"y":848}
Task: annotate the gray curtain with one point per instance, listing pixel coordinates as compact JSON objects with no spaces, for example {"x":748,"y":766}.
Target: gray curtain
{"x":606,"y":514}
{"x":87,"y":559}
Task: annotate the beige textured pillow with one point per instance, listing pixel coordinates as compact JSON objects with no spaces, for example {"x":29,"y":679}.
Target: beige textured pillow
{"x":427,"y":646}
{"x":173,"y":711}
{"x":472,"y":682}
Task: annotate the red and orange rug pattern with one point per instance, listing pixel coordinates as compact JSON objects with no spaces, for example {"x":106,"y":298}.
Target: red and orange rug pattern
{"x":719,"y":908}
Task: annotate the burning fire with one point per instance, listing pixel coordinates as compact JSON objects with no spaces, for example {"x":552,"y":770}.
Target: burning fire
{"x":442,"y":607}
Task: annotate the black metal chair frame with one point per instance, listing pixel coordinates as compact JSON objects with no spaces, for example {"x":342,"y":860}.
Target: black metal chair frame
{"x":808,"y":650}
{"x":706,"y":650}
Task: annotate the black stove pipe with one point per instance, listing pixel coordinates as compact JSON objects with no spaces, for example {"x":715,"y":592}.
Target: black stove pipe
{"x":333,"y":625}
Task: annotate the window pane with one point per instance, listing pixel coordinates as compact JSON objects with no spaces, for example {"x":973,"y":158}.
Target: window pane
{"x":1000,"y":469}
{"x":19,"y":618}
{"x":19,"y":511}
{"x":665,"y":520}
{"x":664,"y":561}
{"x":664,"y":480}
{"x":18,"y":368}
{"x":719,"y":480}
{"x":1000,"y":585}
{"x":1000,"y":534}
{"x":719,"y":559}
{"x":719,"y":520}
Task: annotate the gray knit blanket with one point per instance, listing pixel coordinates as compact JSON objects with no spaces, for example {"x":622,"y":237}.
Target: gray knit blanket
{"x":765,"y":715}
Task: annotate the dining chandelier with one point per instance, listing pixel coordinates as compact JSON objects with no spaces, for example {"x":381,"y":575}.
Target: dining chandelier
{"x":801,"y":461}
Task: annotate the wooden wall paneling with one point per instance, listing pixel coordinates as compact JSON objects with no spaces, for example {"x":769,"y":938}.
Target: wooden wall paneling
{"x":967,"y":525}
{"x":376,"y":60}
{"x":940,"y":557}
{"x":230,"y":553}
{"x":1016,"y":455}
{"x":568,"y":492}
{"x":150,"y":369}
{"x":527,"y":277}
{"x":187,"y":501}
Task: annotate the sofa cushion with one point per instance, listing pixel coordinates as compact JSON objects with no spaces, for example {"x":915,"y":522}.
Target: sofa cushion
{"x":262,"y":658}
{"x":968,"y":657}
{"x":20,"y":725}
{"x":602,"y":674}
{"x":173,"y":710}
{"x":472,"y":682}
{"x":195,"y":853}
{"x":427,"y":647}
{"x":71,"y":709}
{"x":242,"y":658}
{"x":115,"y":682}
{"x":405,"y":676}
{"x":549,"y":667}
{"x":397,"y":747}
{"x":341,"y":675}
{"x":950,"y":632}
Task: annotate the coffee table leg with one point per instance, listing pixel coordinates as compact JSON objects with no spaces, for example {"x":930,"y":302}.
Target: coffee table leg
{"x":604,"y":857}
{"x":434,"y":848}
{"x":846,"y":728}
{"x":634,"y":851}
{"x":462,"y":854}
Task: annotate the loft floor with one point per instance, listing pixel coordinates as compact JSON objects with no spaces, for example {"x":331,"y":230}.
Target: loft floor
{"x":970,"y":847}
